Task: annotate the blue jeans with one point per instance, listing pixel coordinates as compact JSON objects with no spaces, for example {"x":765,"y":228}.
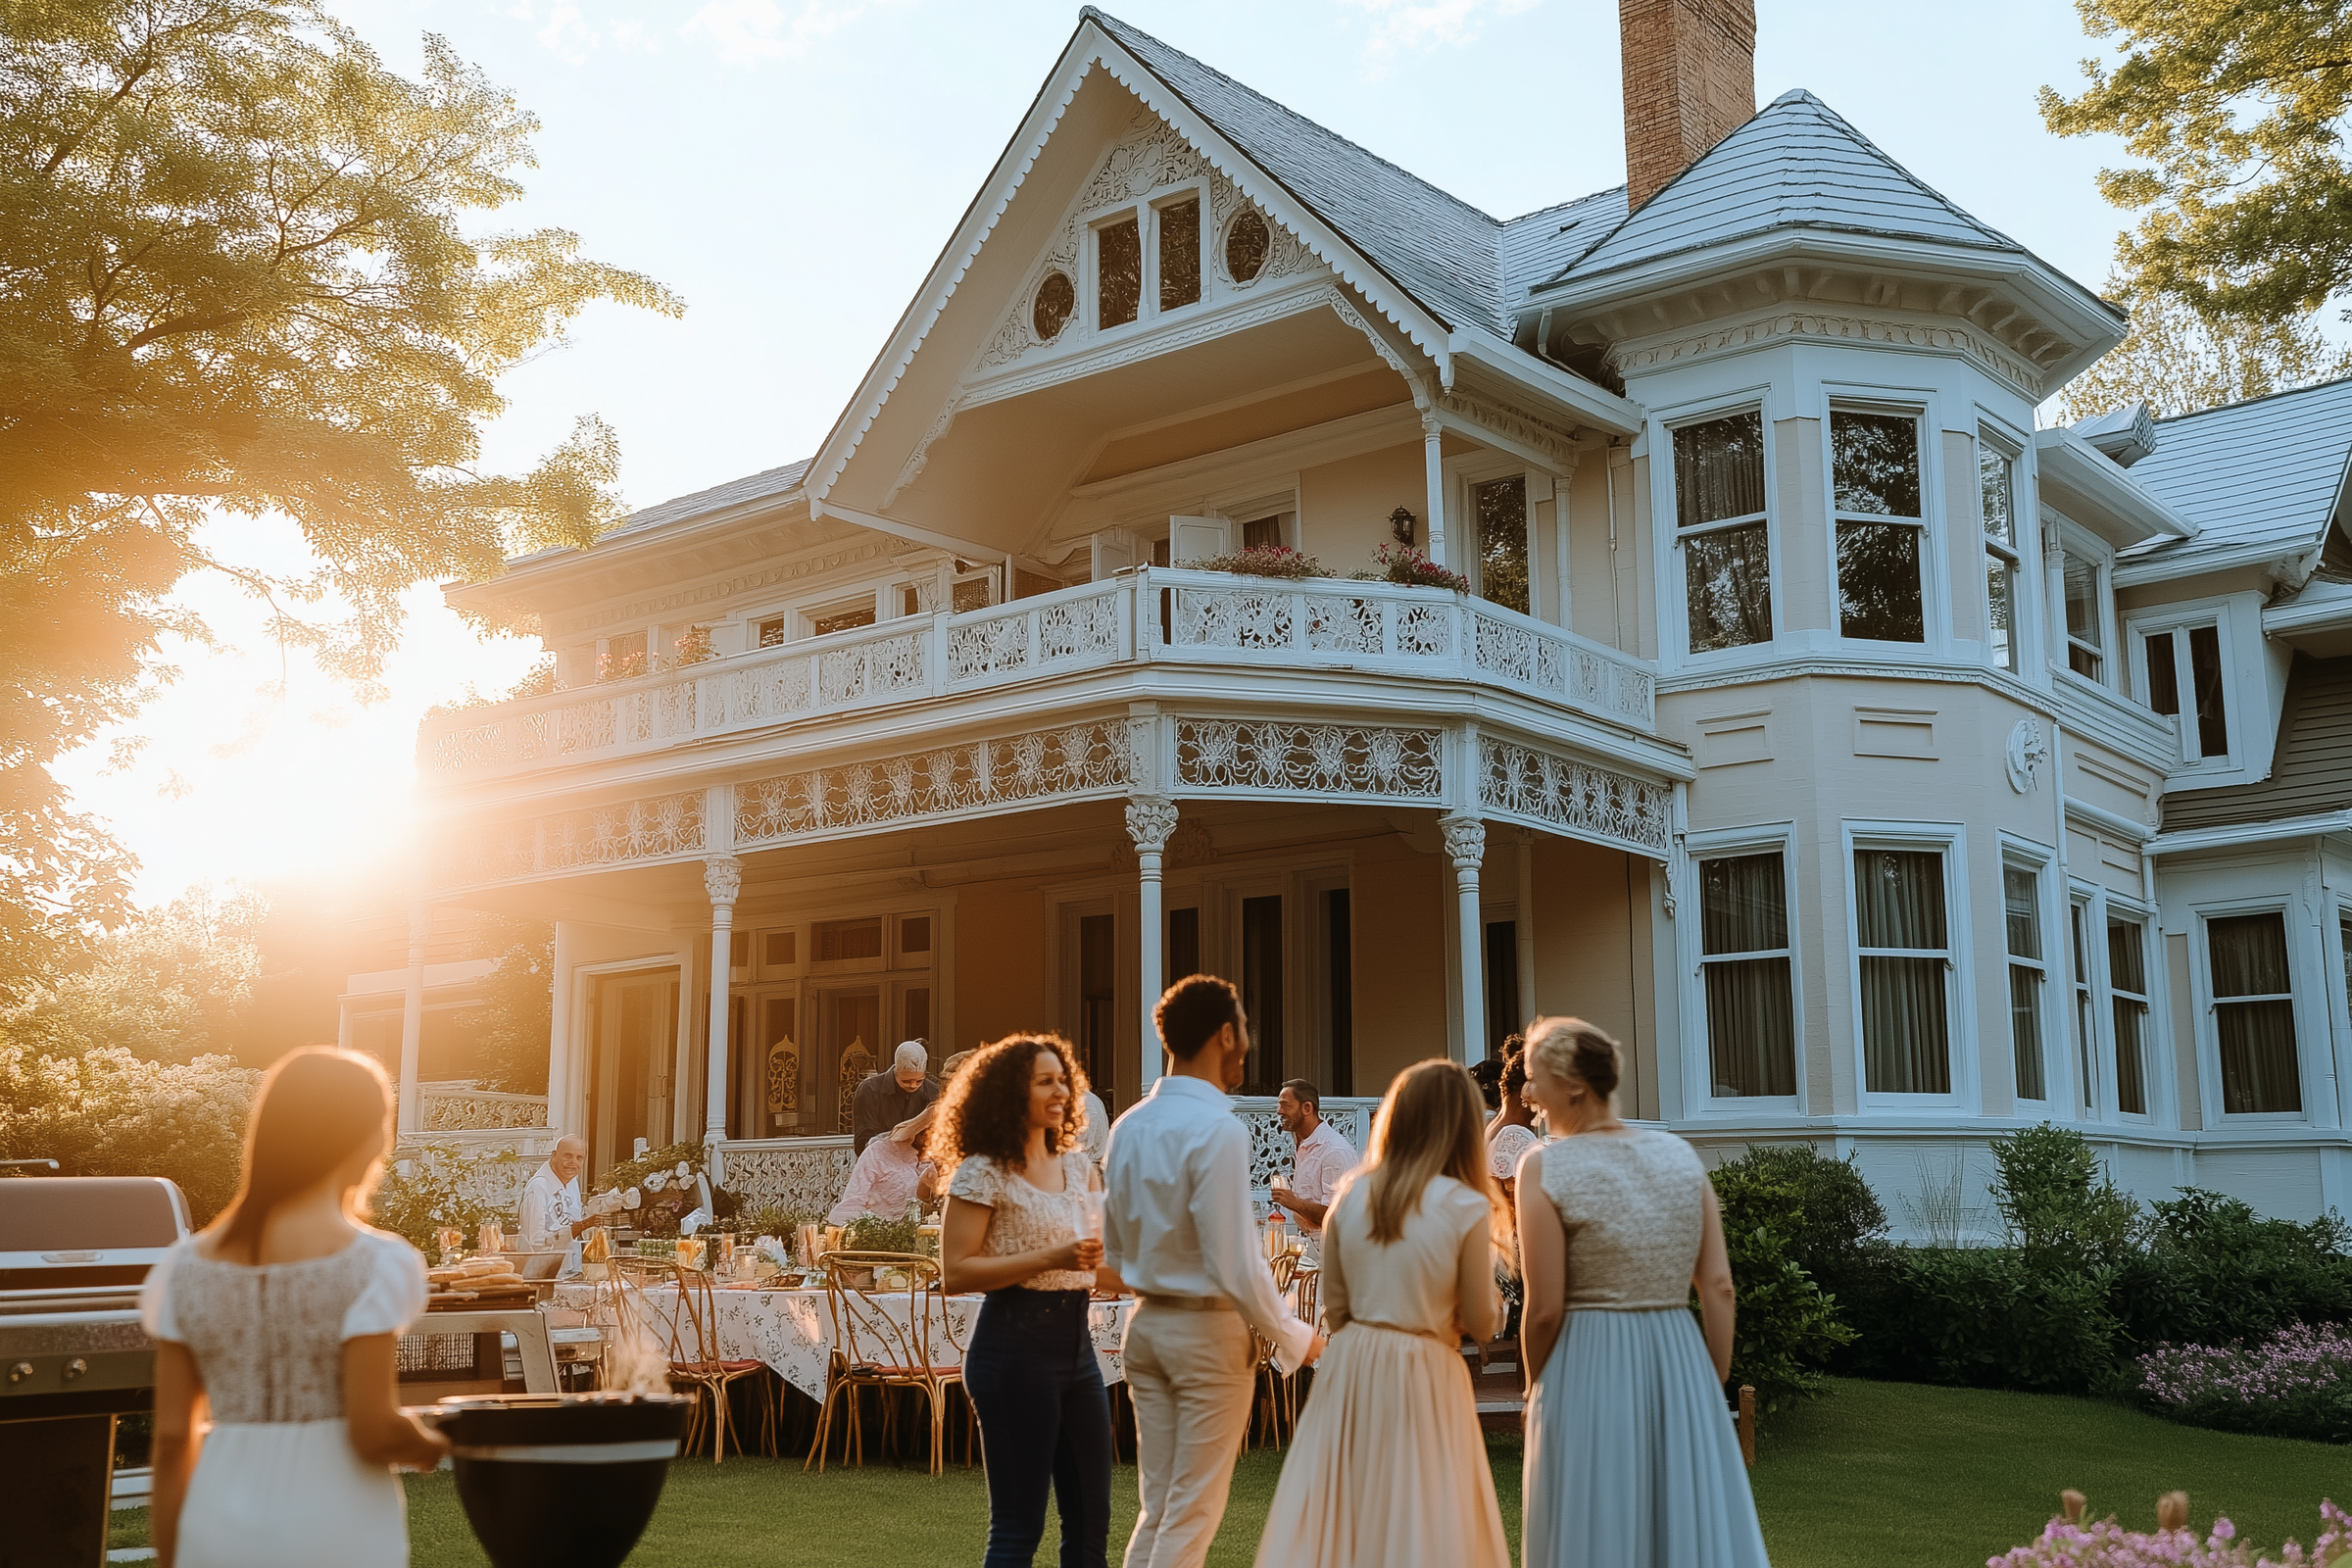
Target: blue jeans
{"x":1045,"y":1421}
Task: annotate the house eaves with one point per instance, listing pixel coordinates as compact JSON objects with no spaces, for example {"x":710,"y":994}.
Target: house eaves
{"x":2092,"y":489}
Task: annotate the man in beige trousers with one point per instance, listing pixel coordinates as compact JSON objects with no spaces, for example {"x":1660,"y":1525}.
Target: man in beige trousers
{"x":1178,"y":1230}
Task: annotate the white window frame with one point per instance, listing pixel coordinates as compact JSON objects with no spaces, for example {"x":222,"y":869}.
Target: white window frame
{"x":1950,"y":840}
{"x":1145,"y":210}
{"x":2208,"y":1017}
{"x":2081,"y":542}
{"x":2178,"y":620}
{"x":1158,"y":202}
{"x":1465,"y":474}
{"x":2151,"y":1082}
{"x":1770,"y":837}
{"x":1664,"y":508}
{"x":2085,"y":1031}
{"x":1997,"y":440}
{"x":2040,"y":862}
{"x":1935,"y":605}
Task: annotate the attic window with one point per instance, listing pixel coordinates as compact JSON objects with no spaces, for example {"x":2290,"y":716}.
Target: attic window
{"x":1247,"y":242}
{"x":1118,"y":271}
{"x":1180,"y":253}
{"x":1056,"y":299}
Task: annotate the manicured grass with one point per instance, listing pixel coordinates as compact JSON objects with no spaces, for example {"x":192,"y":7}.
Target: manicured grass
{"x":1877,"y":1475}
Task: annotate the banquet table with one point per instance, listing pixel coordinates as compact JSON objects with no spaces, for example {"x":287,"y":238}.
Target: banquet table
{"x":791,"y":1331}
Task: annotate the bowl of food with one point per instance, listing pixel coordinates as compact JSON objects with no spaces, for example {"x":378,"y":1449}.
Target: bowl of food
{"x":561,"y":1480}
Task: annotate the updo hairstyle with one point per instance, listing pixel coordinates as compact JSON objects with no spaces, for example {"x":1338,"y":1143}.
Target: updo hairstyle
{"x":1514,"y":1065}
{"x":1570,"y":1047}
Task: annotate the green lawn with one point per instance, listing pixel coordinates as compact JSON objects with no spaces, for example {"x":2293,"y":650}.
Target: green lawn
{"x":1877,"y":1475}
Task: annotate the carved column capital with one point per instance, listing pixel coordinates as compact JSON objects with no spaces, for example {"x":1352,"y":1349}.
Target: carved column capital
{"x":1151,"y":822}
{"x":723,"y":878}
{"x":1465,"y":841}
{"x":1432,"y":424}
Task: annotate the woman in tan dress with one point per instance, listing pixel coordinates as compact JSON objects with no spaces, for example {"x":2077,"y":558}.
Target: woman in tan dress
{"x":1390,"y":1467}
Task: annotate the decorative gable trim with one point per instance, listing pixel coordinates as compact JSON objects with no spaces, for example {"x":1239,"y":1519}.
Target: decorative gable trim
{"x":1683,"y":349}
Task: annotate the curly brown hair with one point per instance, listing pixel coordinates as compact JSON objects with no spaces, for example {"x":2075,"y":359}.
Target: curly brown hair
{"x":986,"y":1107}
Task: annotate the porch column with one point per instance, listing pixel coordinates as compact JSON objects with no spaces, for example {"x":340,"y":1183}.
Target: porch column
{"x":411,"y":1013}
{"x":1524,"y":927}
{"x":1466,"y":843}
{"x":1150,"y":822}
{"x":561,"y":983}
{"x":1433,"y":462}
{"x":722,"y":880}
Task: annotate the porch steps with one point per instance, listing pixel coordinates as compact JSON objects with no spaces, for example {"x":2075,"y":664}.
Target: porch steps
{"x":1496,"y":1382}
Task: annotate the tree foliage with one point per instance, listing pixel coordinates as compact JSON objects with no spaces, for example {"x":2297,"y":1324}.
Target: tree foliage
{"x":2238,"y":109}
{"x":2177,"y":361}
{"x":233,"y":284}
{"x":509,"y":1050}
{"x":108,"y":1113}
{"x":170,"y":985}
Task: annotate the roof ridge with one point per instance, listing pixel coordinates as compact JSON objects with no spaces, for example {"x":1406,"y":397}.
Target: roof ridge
{"x":2267,"y":396}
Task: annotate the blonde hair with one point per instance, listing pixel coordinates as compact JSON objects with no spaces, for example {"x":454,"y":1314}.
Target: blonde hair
{"x":1431,"y":1123}
{"x":1570,"y":1047}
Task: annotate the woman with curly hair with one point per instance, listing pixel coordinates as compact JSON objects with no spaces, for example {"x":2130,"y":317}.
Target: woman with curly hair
{"x":1020,"y":1228}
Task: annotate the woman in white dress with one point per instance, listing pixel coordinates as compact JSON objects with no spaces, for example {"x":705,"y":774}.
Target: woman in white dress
{"x":1511,"y":1135}
{"x":1390,"y":1469}
{"x":276,"y":1325}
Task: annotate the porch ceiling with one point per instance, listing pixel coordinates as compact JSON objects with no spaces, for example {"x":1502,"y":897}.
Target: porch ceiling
{"x":996,"y":472}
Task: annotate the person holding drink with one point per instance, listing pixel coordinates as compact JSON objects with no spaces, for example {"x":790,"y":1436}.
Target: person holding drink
{"x":1024,"y":1224}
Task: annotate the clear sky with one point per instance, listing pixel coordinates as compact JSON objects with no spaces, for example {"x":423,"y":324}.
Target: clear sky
{"x":793,"y":167}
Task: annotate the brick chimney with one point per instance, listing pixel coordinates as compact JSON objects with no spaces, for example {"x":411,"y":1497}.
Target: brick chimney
{"x":1689,"y":82}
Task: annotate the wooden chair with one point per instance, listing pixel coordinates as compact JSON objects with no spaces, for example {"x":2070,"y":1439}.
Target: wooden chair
{"x":685,"y":1321}
{"x":1274,"y":1384}
{"x":873,"y":1348}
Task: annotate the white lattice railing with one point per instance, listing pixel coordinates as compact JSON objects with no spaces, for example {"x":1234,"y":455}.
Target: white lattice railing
{"x":460,"y":1107}
{"x":1177,"y":616}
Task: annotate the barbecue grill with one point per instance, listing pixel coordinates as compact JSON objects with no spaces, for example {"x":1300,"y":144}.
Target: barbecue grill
{"x":74,"y":1251}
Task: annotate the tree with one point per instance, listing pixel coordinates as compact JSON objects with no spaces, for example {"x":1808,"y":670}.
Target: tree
{"x":170,"y":986}
{"x":233,"y":282}
{"x":110,"y":1113}
{"x":2177,"y":362}
{"x":2240,"y":107}
{"x":510,"y":1043}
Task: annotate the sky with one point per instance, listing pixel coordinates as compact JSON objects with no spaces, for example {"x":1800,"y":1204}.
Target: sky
{"x":792,"y":169}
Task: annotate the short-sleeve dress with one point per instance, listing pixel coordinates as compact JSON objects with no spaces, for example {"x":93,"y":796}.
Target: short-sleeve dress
{"x":278,"y":1476}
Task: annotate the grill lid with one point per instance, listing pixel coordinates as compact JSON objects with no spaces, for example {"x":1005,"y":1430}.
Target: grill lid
{"x":83,"y":1230}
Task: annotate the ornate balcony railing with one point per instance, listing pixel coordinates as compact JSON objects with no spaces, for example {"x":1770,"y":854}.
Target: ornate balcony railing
{"x":461,"y":1107}
{"x":1193,"y":617}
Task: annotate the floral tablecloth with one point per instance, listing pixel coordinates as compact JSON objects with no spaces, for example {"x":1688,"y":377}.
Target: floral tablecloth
{"x":791,"y":1331}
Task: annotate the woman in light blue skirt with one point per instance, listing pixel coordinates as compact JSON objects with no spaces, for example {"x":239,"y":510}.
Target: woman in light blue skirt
{"x":1632,"y":1460}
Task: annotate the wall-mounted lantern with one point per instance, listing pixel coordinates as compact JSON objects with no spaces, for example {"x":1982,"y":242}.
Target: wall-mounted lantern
{"x":1400,"y":525}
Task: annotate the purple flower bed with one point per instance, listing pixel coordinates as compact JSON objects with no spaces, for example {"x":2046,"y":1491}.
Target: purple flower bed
{"x":2297,"y":1383}
{"x":2070,"y":1543}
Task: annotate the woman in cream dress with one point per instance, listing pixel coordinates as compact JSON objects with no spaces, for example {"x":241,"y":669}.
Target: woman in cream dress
{"x":279,"y":1321}
{"x":1390,"y":1468}
{"x":1632,"y":1462}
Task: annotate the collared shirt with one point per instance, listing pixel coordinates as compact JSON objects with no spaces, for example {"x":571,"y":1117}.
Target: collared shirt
{"x":878,"y":1105}
{"x":1097,"y":1136}
{"x":881,"y":1183}
{"x":550,"y":1209}
{"x":1176,"y":1215}
{"x":1322,"y":1160}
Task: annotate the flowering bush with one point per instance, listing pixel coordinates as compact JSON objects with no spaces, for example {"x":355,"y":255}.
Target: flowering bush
{"x":2068,"y":1543}
{"x":1263,"y":561}
{"x":692,"y":647}
{"x":1405,"y":565}
{"x":2295,"y":1383}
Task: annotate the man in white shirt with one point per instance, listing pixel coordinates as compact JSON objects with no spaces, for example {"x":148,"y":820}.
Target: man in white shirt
{"x":1178,"y":1231}
{"x":1323,"y":1157}
{"x":553,"y":1217}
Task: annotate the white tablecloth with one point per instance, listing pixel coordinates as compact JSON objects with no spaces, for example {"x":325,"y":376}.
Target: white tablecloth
{"x":791,"y":1331}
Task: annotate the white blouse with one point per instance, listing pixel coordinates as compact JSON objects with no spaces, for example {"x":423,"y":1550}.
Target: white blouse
{"x":1024,"y":1218}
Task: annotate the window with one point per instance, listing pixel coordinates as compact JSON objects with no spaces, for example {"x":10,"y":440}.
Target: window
{"x":2190,"y":657}
{"x":1875,"y":463}
{"x":1262,"y":993}
{"x":624,"y":655}
{"x":841,"y":617}
{"x":834,"y":941}
{"x":1502,"y":511}
{"x":2085,"y":647}
{"x":775,"y":631}
{"x":2127,"y":992}
{"x":1184,"y":944}
{"x":1744,"y":942}
{"x":2086,"y":1033}
{"x":1057,"y":300}
{"x":1904,"y":954}
{"x":781,"y":953}
{"x":1338,"y":928}
{"x":1264,"y":533}
{"x":2343,"y":936}
{"x":1118,"y":272}
{"x":1180,"y":253}
{"x":1720,"y":524}
{"x":914,"y":934}
{"x":1247,"y":243}
{"x":2021,"y":902}
{"x":1098,"y":1000}
{"x":2254,"y":1013}
{"x":1997,"y":489}
{"x":1503,"y":985}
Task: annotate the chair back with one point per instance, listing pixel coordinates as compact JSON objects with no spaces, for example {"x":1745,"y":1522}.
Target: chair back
{"x":670,"y":1305}
{"x":877,"y":1327}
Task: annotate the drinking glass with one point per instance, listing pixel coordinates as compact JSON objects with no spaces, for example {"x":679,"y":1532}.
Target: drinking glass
{"x":1090,"y":1205}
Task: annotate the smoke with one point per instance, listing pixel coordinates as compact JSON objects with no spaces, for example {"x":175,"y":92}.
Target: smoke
{"x":634,"y":1360}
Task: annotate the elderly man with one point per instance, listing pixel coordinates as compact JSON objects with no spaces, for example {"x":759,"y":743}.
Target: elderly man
{"x":889,"y":1099}
{"x":1323,"y":1155}
{"x":553,"y":1217}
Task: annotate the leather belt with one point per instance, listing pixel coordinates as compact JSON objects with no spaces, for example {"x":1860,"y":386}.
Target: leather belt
{"x":1192,"y":1304}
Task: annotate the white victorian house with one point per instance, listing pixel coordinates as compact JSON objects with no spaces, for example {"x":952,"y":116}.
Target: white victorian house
{"x":1885,"y":772}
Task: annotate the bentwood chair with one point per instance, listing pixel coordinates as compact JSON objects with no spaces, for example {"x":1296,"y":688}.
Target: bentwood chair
{"x":881,"y":1340}
{"x":1273,"y":1385}
{"x":685,"y":1320}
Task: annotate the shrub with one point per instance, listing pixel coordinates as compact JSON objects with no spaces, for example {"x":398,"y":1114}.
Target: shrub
{"x":2063,"y":1211}
{"x":2297,"y":1383}
{"x":2210,"y":1271}
{"x":432,"y":1186}
{"x":107,"y":1112}
{"x":1261,"y":561}
{"x":1983,"y":1316}
{"x":1409,"y":567}
{"x":873,"y":1234}
{"x":1786,"y":1328}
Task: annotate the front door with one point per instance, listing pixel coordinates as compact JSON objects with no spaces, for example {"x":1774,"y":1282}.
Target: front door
{"x":849,"y":1049}
{"x":629,"y":1078}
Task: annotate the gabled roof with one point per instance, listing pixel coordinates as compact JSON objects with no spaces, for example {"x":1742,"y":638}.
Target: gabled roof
{"x":2311,"y":772}
{"x":1796,"y":164}
{"x":768,"y":484}
{"x":2263,"y":479}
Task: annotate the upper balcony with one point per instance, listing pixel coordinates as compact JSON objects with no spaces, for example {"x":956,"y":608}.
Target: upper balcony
{"x":1142,"y":619}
